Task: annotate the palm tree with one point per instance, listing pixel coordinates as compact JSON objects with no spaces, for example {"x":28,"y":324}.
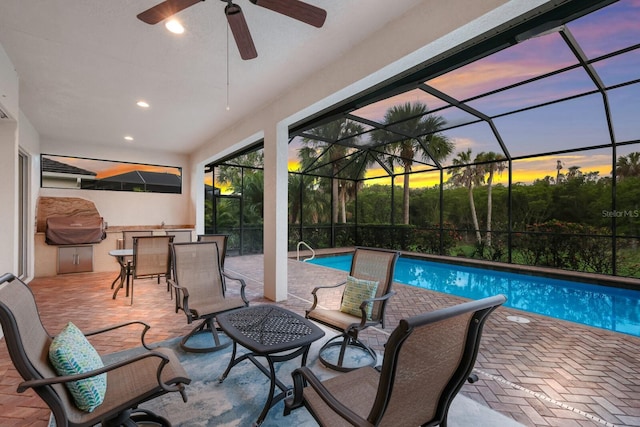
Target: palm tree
{"x":233,"y":175}
{"x":253,"y":196}
{"x":355,"y":170}
{"x":496,"y":164}
{"x":558,"y":169}
{"x":413,"y":119}
{"x":629,"y":165}
{"x":316,"y":203}
{"x":335,"y":154}
{"x":574,"y":172}
{"x":297,"y":183}
{"x":467,"y":175}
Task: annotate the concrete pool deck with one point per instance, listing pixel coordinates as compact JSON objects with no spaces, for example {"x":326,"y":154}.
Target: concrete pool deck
{"x":546,"y":372}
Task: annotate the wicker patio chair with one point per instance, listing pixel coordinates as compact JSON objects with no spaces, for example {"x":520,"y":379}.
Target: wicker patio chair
{"x":426,"y":361}
{"x":199,"y":285}
{"x":373,"y":268}
{"x":130,"y":381}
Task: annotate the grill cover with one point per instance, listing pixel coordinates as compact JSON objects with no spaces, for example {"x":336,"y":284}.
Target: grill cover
{"x":74,"y":230}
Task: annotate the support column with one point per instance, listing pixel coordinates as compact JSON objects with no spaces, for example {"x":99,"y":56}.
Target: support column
{"x":275,"y":212}
{"x":9,"y":191}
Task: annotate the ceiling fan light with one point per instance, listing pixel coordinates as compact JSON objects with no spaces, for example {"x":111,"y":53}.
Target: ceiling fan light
{"x":174,"y":26}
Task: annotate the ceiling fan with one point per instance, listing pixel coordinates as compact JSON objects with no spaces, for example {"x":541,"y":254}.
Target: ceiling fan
{"x":295,"y":9}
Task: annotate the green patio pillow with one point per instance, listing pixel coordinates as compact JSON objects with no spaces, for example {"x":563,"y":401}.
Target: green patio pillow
{"x":356,"y":291}
{"x":71,"y":353}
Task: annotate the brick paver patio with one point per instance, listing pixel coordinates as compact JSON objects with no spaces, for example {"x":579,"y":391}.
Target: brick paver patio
{"x":543,"y":373}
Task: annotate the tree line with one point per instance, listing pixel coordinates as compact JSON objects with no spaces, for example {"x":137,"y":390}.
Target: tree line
{"x":474,"y":209}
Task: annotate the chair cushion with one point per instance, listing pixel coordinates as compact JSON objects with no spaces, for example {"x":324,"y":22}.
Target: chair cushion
{"x":71,"y":353}
{"x":356,"y":291}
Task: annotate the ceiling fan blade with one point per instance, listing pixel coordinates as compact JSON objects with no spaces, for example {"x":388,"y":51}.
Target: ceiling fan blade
{"x":164,"y":10}
{"x":240,"y":31}
{"x":296,"y":9}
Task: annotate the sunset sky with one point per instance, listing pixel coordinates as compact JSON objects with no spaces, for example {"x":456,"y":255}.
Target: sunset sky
{"x":105,"y":168}
{"x":567,"y":125}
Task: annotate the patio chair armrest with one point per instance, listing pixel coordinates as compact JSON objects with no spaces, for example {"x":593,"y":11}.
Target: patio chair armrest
{"x":182,"y":296}
{"x":328,"y":287}
{"x":376,"y":299}
{"x":243,"y":285}
{"x":304,"y":375}
{"x":363,"y":308}
{"x":315,"y":296}
{"x":121,"y":325}
{"x":68,"y":378}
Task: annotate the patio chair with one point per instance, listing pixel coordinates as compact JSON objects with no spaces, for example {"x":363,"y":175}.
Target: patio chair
{"x":221,"y":240}
{"x":129,"y":382}
{"x":366,"y":293}
{"x":426,"y":361}
{"x":180,"y":236}
{"x":127,"y":243}
{"x":128,"y":235}
{"x":151,"y":258}
{"x":201,"y":293}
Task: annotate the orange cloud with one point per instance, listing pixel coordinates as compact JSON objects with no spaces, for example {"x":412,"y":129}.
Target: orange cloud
{"x":120,"y":168}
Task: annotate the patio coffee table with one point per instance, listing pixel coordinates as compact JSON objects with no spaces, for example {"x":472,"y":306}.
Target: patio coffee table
{"x":268,"y":331}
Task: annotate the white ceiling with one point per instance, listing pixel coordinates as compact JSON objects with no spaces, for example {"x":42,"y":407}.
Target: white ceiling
{"x":83,"y":65}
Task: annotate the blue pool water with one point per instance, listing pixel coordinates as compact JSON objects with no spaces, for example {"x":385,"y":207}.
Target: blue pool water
{"x":599,"y":306}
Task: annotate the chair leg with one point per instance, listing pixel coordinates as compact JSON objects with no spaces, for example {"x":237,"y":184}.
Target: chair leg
{"x":166,"y":279}
{"x":343,"y":350}
{"x":147,"y":418}
{"x":206,"y":327}
{"x":345,"y":342}
{"x":137,"y":417}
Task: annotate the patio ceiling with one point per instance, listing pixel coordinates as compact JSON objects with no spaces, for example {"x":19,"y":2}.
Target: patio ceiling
{"x":83,"y":65}
{"x":566,"y":81}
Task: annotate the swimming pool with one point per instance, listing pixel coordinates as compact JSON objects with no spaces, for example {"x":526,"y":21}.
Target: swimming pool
{"x":604,"y":307}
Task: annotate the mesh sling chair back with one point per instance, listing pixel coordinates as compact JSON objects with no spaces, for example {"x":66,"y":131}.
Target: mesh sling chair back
{"x":426,"y":361}
{"x":151,"y":257}
{"x":128,"y":235}
{"x":180,"y":236}
{"x":221,"y":240}
{"x":200,"y":288}
{"x":369,"y":265}
{"x":130,"y":381}
{"x":127,"y":243}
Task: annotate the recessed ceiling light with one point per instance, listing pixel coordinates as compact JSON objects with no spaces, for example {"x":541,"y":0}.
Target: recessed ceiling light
{"x":174,"y":26}
{"x":142,"y":104}
{"x":128,"y":138}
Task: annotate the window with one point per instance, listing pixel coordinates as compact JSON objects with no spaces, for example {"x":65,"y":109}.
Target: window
{"x":91,"y":174}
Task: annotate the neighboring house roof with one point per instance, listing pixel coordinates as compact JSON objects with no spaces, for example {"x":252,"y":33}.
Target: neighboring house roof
{"x":53,"y":166}
{"x":149,"y":178}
